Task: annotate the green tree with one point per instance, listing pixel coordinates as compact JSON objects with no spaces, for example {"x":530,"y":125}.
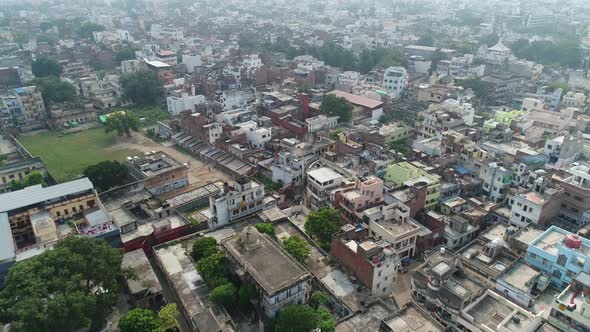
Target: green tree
{"x":168,"y":318}
{"x":322,"y":224}
{"x":107,"y":174}
{"x":45,"y":66}
{"x":561,"y":85}
{"x":122,"y":122}
{"x":297,"y":247}
{"x":326,"y":322}
{"x":88,"y":28}
{"x":318,"y":299}
{"x":142,"y":87}
{"x":226,"y":295}
{"x":138,"y":320}
{"x":297,"y":318}
{"x":32,"y":179}
{"x":204,"y":247}
{"x":246,"y":293}
{"x":265,"y":228}
{"x":69,"y":288}
{"x":126,"y":53}
{"x":53,"y":89}
{"x":214,"y":269}
{"x":425,"y":41}
{"x":333,"y":105}
{"x":481,"y":89}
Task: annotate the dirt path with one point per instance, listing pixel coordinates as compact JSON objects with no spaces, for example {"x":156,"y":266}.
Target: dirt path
{"x":199,"y":172}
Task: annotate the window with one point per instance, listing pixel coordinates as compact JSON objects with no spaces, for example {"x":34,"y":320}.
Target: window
{"x":556,"y":274}
{"x":66,"y":211}
{"x":57,"y":213}
{"x":561,"y":260}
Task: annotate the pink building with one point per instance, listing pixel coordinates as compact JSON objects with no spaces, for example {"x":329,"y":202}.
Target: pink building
{"x":358,"y":195}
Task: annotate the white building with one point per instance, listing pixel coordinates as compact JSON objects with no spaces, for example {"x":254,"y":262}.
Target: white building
{"x":320,"y":182}
{"x":496,"y":180}
{"x":257,"y":137}
{"x":321,"y":122}
{"x":191,"y":62}
{"x":185,"y":102}
{"x":392,"y":223}
{"x":116,"y":36}
{"x":252,"y":61}
{"x":532,"y":104}
{"x":395,"y":80}
{"x":290,"y":168}
{"x":496,"y":54}
{"x":158,"y":31}
{"x":237,"y":200}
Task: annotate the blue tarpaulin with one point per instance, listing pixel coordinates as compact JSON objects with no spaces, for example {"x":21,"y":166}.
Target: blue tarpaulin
{"x":461,"y":169}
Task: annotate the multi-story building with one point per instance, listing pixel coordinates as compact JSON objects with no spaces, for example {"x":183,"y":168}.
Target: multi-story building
{"x":570,"y":311}
{"x":459,"y":231}
{"x":162,"y":69}
{"x":393,"y":224}
{"x":372,"y":262}
{"x":16,"y":171}
{"x":415,"y":174}
{"x":160,"y":172}
{"x":238,"y":199}
{"x":359,"y":195}
{"x":31,"y":104}
{"x":320,"y":182}
{"x":321,"y":122}
{"x":104,"y":93}
{"x":538,"y":206}
{"x":495,"y":180}
{"x":522,"y":284}
{"x":560,"y":254}
{"x":395,"y":80}
{"x":444,"y":287}
{"x":183,"y":102}
{"x":166,"y":56}
{"x":575,"y":202}
{"x":289,"y":168}
{"x":439,"y":118}
{"x":393,"y":132}
{"x":278,"y":278}
{"x":31,"y":215}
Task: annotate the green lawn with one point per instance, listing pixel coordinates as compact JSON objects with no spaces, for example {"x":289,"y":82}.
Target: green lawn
{"x":66,"y":156}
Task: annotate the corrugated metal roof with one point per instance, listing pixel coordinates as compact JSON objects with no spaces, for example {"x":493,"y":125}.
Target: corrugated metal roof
{"x":37,"y":194}
{"x":357,"y":100}
{"x":7,"y":249}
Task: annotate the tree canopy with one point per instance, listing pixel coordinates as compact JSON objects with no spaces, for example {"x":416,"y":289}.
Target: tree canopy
{"x":297,"y":247}
{"x":565,"y":52}
{"x":297,"y":318}
{"x":138,"y":320}
{"x":204,"y":247}
{"x":122,"y":122}
{"x":69,"y":288}
{"x":45,"y":66}
{"x":30,"y":180}
{"x":53,"y":89}
{"x":333,"y":105}
{"x":226,"y":294}
{"x":481,"y":89}
{"x":214,"y":269}
{"x":318,"y":299}
{"x":168,"y":318}
{"x":265,"y":228}
{"x":107,"y":174}
{"x":322,"y":224}
{"x":88,"y":28}
{"x":142,"y":87}
{"x":425,"y":41}
{"x":126,"y":53}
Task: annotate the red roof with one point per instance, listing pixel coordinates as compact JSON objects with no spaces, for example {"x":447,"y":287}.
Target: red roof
{"x":358,"y":100}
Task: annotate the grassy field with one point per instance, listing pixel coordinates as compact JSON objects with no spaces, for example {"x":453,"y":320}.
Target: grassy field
{"x":66,"y":156}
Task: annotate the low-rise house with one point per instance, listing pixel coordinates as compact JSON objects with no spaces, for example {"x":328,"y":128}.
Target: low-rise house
{"x":145,"y":288}
{"x":459,"y":231}
{"x":18,"y":170}
{"x":361,"y":194}
{"x":522,"y":284}
{"x":278,"y":278}
{"x":160,"y":172}
{"x":492,"y":312}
